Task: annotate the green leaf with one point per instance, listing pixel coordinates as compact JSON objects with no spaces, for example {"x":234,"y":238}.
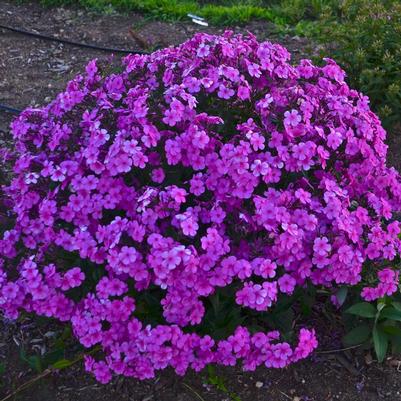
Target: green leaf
{"x":35,"y":363}
{"x":307,"y":304}
{"x":397,"y":305}
{"x":380,"y":341}
{"x":282,"y":321}
{"x":380,"y":306}
{"x":363,"y":309}
{"x":211,"y":371}
{"x":62,"y":364}
{"x":395,"y":338}
{"x":52,"y":356}
{"x":395,"y":347}
{"x":60,"y":342}
{"x":390,"y":313}
{"x":341,"y":295}
{"x":357,"y":335}
{"x":214,"y":299}
{"x":393,"y":331}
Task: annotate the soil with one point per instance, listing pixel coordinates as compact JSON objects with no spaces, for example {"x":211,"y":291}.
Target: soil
{"x":329,"y":375}
{"x":32,"y":71}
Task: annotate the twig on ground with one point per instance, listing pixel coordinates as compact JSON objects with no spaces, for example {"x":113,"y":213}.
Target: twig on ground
{"x":285,"y":395}
{"x":332,"y":351}
{"x":194,"y":391}
{"x":27,"y":384}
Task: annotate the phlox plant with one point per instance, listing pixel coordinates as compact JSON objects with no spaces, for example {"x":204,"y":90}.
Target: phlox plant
{"x":215,"y":167}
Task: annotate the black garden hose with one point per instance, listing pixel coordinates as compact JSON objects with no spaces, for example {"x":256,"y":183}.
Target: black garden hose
{"x":69,"y":42}
{"x":9,"y":109}
{"x":14,"y":110}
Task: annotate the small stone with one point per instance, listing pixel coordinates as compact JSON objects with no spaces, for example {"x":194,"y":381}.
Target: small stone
{"x":258,"y":384}
{"x":368,"y":358}
{"x":296,"y":398}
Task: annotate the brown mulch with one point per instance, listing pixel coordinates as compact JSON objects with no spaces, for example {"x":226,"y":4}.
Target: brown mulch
{"x":32,"y":72}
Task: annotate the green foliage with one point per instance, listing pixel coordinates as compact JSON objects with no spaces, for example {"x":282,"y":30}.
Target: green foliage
{"x":222,"y":317}
{"x":341,"y":295}
{"x":55,"y":356}
{"x":294,"y":11}
{"x":364,"y":309}
{"x":380,"y":342}
{"x":219,"y":383}
{"x":2,"y":372}
{"x":381,"y":329}
{"x":357,"y":335}
{"x":62,"y":364}
{"x":223,"y":13}
{"x":364,"y":37}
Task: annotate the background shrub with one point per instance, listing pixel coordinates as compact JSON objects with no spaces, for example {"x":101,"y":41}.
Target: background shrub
{"x":363,"y":36}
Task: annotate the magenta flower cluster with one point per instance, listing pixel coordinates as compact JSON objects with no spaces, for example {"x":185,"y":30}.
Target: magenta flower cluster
{"x":388,"y":280}
{"x":210,"y":165}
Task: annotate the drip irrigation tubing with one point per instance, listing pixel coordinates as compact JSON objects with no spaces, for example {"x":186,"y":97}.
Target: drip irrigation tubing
{"x":70,"y":42}
{"x":14,"y":110}
{"x":9,"y":109}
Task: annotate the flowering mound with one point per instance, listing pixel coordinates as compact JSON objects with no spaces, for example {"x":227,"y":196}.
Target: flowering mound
{"x":214,"y":167}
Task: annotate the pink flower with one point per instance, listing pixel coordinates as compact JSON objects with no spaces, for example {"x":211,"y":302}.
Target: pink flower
{"x":334,"y":139}
{"x":203,"y":50}
{"x":197,"y":186}
{"x":386,"y":275}
{"x":321,"y":246}
{"x":225,"y":92}
{"x":243,"y":93}
{"x":171,"y":259}
{"x":292,"y":118}
{"x":266,"y":268}
{"x":259,"y":168}
{"x":303,"y":196}
{"x":58,"y":174}
{"x":178,"y":194}
{"x":31,"y":178}
{"x":287,"y":284}
{"x":158,"y":175}
{"x":172,"y":117}
{"x":189,"y":226}
{"x":254,"y":70}
{"x":257,"y":142}
{"x":73,"y":278}
{"x":101,"y":372}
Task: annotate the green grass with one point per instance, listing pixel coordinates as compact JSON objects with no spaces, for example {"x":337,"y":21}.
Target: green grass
{"x":216,"y":12}
{"x":224,"y":12}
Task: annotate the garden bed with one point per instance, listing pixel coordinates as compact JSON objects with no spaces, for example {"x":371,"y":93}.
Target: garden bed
{"x":34,"y":71}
